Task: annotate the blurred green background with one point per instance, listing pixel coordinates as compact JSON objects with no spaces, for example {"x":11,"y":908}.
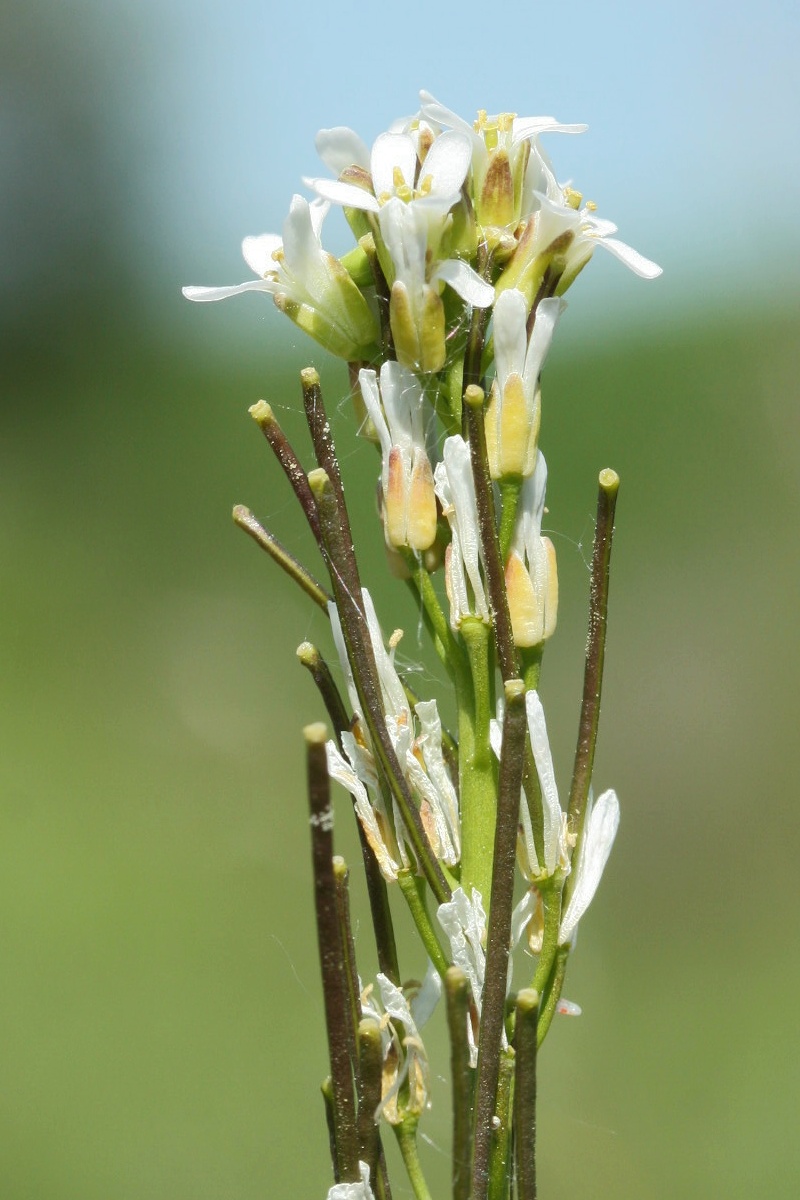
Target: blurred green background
{"x":160,"y":1017}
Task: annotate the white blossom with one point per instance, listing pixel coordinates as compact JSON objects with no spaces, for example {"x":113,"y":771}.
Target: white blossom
{"x":306,"y":282}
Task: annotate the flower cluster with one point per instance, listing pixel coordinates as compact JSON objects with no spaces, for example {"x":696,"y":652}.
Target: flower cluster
{"x":444,"y":310}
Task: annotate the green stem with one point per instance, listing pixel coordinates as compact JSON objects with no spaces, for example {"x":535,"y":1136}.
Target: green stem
{"x":509,"y":497}
{"x":447,"y":647}
{"x":500,"y":1154}
{"x":370,"y":1061}
{"x":551,"y":903}
{"x":477,"y":764}
{"x":413,"y":889}
{"x":406,"y":1133}
{"x":553,"y":994}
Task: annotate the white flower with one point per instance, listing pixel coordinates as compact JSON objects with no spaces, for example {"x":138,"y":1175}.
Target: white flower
{"x":589,"y":231}
{"x":395,"y":171}
{"x":409,"y":205}
{"x":307,"y":283}
{"x":561,"y":237}
{"x":507,"y":160}
{"x":514,"y":412}
{"x":412,"y":234}
{"x":600,"y":829}
{"x":455,"y":488}
{"x":531,"y":572}
{"x":353,"y":1191}
{"x":397,"y":412}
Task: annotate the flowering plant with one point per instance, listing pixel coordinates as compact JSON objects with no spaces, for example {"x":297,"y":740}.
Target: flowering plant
{"x":444,"y":311}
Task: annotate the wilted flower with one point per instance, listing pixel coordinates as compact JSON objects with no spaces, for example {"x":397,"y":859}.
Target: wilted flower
{"x":418,"y":746}
{"x":405,"y":1060}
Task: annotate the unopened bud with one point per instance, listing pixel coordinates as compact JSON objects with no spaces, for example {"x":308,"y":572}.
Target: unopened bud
{"x":418,"y":336}
{"x":533,"y":596}
{"x":512,"y":429}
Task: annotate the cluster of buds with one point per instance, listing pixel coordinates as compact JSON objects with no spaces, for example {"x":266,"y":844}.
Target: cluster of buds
{"x":444,"y":310}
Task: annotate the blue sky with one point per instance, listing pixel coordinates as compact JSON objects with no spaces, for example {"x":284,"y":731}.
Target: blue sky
{"x":210,"y":110}
{"x":693,"y":108}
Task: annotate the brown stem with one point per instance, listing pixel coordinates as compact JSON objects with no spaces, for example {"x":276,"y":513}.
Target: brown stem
{"x":498,"y":936}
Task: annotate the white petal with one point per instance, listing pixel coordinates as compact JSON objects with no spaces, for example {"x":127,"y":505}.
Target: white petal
{"x":640,"y":265}
{"x":447,"y":163}
{"x":466,"y":282}
{"x":406,"y":237}
{"x":521,"y":916}
{"x":602,"y":822}
{"x":257,"y":252}
{"x":600,"y":226}
{"x":434,"y":111}
{"x":551,"y":809}
{"x":391,"y":151}
{"x":442,"y":794}
{"x":349,"y":195}
{"x":396,"y":1004}
{"x":222,"y":293}
{"x":547,"y":313}
{"x":353,"y":1191}
{"x":527,"y":127}
{"x":394,"y":696}
{"x":341,"y":147}
{"x":342,"y":772}
{"x":368,"y":382}
{"x":510,"y":336}
{"x":426,"y":999}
